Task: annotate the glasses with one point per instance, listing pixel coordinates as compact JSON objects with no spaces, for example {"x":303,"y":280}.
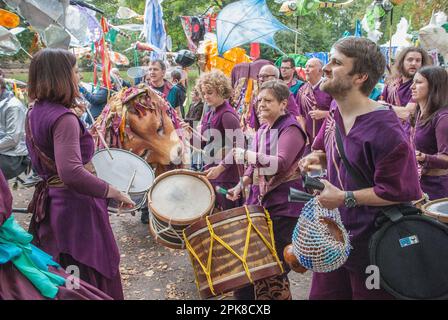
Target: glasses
{"x":285,"y":68}
{"x":265,"y":76}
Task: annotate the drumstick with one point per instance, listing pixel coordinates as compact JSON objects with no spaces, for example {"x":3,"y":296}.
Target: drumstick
{"x":103,"y":141}
{"x":127,"y":190}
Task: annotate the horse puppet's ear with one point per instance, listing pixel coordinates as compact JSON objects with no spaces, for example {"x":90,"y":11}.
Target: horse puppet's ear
{"x":132,"y":93}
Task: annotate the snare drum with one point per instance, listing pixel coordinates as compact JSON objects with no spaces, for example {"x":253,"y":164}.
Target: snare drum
{"x":437,"y":209}
{"x":177,"y":199}
{"x":119,"y":171}
{"x":235,"y":258}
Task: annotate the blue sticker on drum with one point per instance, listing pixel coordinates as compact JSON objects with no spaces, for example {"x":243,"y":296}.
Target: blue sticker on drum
{"x":408,"y":241}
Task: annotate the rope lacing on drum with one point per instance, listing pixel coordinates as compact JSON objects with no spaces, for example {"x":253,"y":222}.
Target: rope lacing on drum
{"x":213,"y":237}
{"x":169,"y":230}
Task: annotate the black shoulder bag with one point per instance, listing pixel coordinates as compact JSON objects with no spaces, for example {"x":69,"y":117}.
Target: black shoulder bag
{"x":410,"y":250}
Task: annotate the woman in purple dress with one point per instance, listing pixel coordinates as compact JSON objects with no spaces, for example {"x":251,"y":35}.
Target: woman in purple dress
{"x":273,"y":167}
{"x":430,"y":91}
{"x":70,"y":219}
{"x":21,"y":279}
{"x":220,"y":126}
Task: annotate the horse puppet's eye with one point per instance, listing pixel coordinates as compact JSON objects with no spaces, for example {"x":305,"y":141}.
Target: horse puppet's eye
{"x":160,"y":130}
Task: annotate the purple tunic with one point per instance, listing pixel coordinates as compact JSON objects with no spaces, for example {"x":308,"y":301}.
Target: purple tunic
{"x":378,"y":148}
{"x":312,"y":98}
{"x":432,"y":139}
{"x":15,"y":286}
{"x":76,"y":225}
{"x":222,"y":118}
{"x":399,"y":93}
{"x":286,"y":153}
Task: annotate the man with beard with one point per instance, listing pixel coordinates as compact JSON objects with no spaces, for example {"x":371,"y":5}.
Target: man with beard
{"x":313,"y":103}
{"x":376,"y":146}
{"x":397,"y":91}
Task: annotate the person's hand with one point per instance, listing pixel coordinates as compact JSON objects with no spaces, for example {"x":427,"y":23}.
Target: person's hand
{"x":309,"y":163}
{"x":239,"y":155}
{"x":420,"y":156}
{"x":215,"y":172}
{"x":186,"y":129}
{"x":121,"y":197}
{"x":234,"y":193}
{"x":331,"y":197}
{"x":318,"y":114}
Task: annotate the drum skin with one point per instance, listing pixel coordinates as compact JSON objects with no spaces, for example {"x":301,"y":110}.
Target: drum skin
{"x":437,"y":209}
{"x":178,"y":198}
{"x":227,"y":271}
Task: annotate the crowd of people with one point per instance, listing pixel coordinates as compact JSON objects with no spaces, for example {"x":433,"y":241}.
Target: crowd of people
{"x":399,"y":143}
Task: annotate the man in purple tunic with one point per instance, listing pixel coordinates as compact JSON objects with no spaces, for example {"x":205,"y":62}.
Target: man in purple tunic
{"x":312,"y":102}
{"x":376,"y":145}
{"x":397,"y":91}
{"x":70,"y":219}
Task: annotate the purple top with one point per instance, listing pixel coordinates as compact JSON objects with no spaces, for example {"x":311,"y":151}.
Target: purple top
{"x":287,"y":152}
{"x":76,"y":221}
{"x":291,"y":107}
{"x":222,"y":118}
{"x":312,"y":98}
{"x":432,"y":139}
{"x":5,"y":199}
{"x":378,"y":148}
{"x":398,"y":93}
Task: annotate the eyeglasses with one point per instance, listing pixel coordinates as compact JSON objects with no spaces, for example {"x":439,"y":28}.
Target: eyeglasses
{"x":285,"y":68}
{"x":265,"y":76}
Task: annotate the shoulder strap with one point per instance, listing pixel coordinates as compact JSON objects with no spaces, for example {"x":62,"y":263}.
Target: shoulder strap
{"x":359,"y":179}
{"x":47,"y":161}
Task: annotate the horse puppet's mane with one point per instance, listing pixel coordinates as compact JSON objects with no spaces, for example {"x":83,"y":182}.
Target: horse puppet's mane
{"x":113,"y":122}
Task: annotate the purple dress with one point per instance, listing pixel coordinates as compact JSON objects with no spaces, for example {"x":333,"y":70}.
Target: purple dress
{"x":218,"y":120}
{"x":312,"y":98}
{"x":378,"y":148}
{"x":15,"y":286}
{"x":72,"y":224}
{"x":432,"y":139}
{"x":281,"y":155}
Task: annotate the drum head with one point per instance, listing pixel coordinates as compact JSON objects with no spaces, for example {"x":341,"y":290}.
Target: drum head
{"x":180,"y":196}
{"x":119,"y":170}
{"x":437,"y":209}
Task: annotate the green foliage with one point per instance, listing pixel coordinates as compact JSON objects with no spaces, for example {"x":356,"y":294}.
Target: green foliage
{"x":317,"y":31}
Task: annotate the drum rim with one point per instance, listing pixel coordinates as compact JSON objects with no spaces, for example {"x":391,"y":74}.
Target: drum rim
{"x":139,"y":158}
{"x":221,"y":216}
{"x":181,"y":221}
{"x":438,"y":216}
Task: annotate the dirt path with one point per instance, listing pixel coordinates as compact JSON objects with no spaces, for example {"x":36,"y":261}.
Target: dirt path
{"x":149,"y":270}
